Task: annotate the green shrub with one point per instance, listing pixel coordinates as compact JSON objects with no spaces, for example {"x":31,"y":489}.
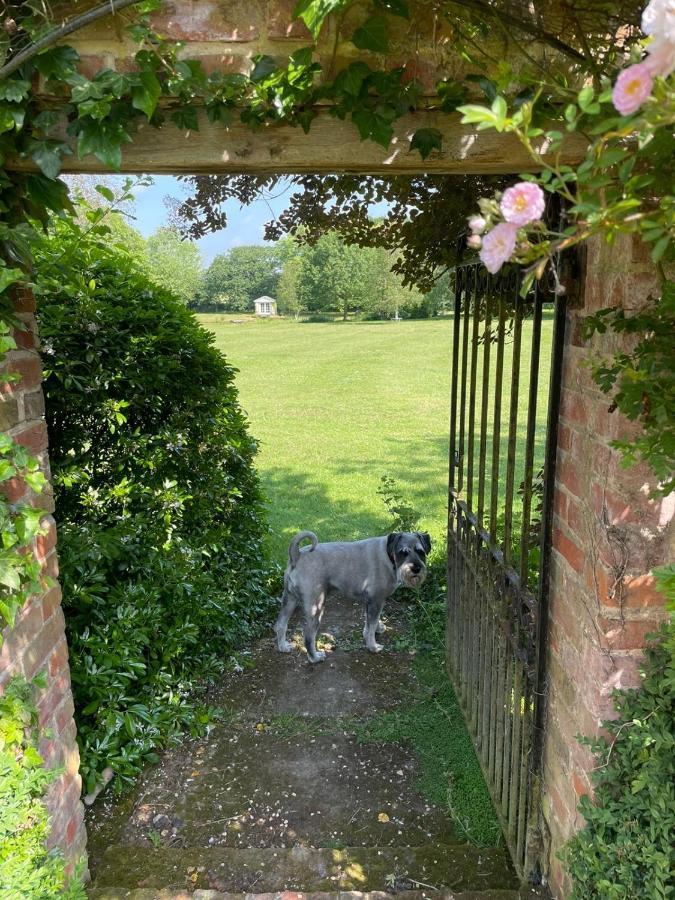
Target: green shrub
{"x":27,"y":868}
{"x":625,"y":850}
{"x":159,"y":507}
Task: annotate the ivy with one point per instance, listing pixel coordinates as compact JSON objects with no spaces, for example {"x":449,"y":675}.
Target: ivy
{"x":27,"y":868}
{"x":625,"y":849}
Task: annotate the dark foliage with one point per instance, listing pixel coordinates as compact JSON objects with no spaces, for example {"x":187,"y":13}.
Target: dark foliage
{"x":158,"y":503}
{"x":426,"y":215}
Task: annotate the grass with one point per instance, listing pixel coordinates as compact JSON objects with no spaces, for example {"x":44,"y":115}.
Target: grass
{"x":337,"y":405}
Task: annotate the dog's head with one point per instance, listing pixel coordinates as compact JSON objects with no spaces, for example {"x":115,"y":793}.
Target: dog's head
{"x":408,"y":552}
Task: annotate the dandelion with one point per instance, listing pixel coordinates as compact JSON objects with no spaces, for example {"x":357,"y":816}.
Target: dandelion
{"x":498,"y":246}
{"x":523,"y":203}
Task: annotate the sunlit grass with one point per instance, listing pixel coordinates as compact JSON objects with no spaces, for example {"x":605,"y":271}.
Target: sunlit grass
{"x":337,"y":405}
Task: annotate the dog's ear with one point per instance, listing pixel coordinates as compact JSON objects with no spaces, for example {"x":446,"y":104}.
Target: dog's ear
{"x":425,"y":540}
{"x":391,"y":543}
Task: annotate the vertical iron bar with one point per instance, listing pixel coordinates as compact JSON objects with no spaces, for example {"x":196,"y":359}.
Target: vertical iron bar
{"x":468,"y":281}
{"x":513,"y":426}
{"x":557,"y":356}
{"x":482,"y":447}
{"x":497,"y":420}
{"x":453,"y":600}
{"x":529,"y":438}
{"x":471,"y":436}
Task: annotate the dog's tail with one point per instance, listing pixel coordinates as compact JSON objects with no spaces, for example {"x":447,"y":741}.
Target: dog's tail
{"x":294,"y":548}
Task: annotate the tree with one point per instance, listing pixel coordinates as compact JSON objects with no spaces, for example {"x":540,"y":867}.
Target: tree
{"x":287,"y":290}
{"x":174,"y":264}
{"x":332,"y":276}
{"x":236,"y":278}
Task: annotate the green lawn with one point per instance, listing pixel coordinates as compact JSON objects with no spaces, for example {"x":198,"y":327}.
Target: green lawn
{"x":337,"y":405}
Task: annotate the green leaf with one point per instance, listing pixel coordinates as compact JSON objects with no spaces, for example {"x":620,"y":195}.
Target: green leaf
{"x":9,"y":277}
{"x":105,"y":192}
{"x":14,"y":89}
{"x":350,"y":80}
{"x":585,"y":97}
{"x":488,"y":87}
{"x":372,"y":35}
{"x":314,"y":12}
{"x":660,"y":248}
{"x":425,"y":140}
{"x":373,"y":126}
{"x":263,"y":67}
{"x":57,"y":63}
{"x":452,"y":94}
{"x":146,"y":94}
{"x":47,"y":158}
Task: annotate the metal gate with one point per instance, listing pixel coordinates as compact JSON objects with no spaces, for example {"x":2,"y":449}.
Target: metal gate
{"x":505,"y":392}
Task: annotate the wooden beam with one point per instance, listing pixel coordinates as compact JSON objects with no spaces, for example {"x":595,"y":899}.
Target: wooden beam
{"x":331,"y":146}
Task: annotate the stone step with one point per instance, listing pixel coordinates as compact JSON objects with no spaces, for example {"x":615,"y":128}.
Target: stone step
{"x":233,"y":870}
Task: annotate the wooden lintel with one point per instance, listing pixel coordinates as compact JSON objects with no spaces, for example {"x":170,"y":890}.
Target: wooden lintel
{"x":331,"y":146}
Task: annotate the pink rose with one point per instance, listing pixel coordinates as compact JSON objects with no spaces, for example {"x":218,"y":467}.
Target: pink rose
{"x":632,"y":88}
{"x":658,"y":20}
{"x":498,"y":246}
{"x":660,"y":59}
{"x":477,"y":224}
{"x":523,"y":203}
{"x":474,"y":241}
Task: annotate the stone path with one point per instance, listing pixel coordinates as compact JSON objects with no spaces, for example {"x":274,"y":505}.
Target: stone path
{"x":282,"y":800}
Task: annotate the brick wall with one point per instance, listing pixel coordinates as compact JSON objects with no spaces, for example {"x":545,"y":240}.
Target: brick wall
{"x":607,"y":536}
{"x":225,"y":36}
{"x":37,"y":643}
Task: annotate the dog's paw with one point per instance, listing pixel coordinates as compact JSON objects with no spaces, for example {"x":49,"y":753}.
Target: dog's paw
{"x":285,"y":647}
{"x":318,"y":657}
{"x":375,"y":648}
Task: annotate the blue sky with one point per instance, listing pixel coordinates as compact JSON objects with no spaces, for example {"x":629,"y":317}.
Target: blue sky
{"x":245,"y":225}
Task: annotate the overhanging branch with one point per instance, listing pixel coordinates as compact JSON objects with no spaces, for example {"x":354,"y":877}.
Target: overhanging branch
{"x":55,"y":35}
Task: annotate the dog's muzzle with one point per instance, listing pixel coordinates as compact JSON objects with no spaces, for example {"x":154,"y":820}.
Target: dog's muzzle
{"x":412,"y":575}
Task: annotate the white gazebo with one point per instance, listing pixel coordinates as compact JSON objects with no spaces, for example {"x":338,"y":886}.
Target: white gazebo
{"x":265,"y":306}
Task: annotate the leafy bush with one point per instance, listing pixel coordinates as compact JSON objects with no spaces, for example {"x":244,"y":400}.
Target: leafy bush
{"x":158,"y":503}
{"x":625,"y":850}
{"x":27,"y":868}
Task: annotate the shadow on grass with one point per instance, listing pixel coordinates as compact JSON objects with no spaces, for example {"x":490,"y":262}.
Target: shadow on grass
{"x":299,"y":502}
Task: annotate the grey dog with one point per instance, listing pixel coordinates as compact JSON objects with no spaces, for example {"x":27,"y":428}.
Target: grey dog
{"x":368,"y":570}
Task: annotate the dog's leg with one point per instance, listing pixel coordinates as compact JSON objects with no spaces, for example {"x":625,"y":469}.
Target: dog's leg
{"x":373,"y":609}
{"x":313,"y":616}
{"x":289,"y":601}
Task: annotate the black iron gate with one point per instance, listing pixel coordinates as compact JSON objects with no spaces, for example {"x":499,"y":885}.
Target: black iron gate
{"x":506,"y":372}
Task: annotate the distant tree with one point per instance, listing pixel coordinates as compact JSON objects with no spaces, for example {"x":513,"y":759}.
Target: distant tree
{"x":128,"y":239}
{"x":174,"y":264}
{"x":332,"y":276}
{"x":386,"y":297}
{"x":236,"y":278}
{"x":287,"y":290}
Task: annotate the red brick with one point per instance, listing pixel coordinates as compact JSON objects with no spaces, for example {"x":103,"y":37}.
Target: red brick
{"x":25,"y":340}
{"x":13,"y":489}
{"x":581,"y":784}
{"x":640,"y":592}
{"x":568,"y":475}
{"x":229,"y":63}
{"x":36,"y":653}
{"x":205,"y":20}
{"x":33,"y":438}
{"x":280,"y":24}
{"x":24,"y":300}
{"x":45,"y":543}
{"x":626,"y":635}
{"x":58,"y":661}
{"x":50,"y":601}
{"x":571,"y":551}
{"x":572,"y":407}
{"x":91,"y":64}
{"x":30,"y":370}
